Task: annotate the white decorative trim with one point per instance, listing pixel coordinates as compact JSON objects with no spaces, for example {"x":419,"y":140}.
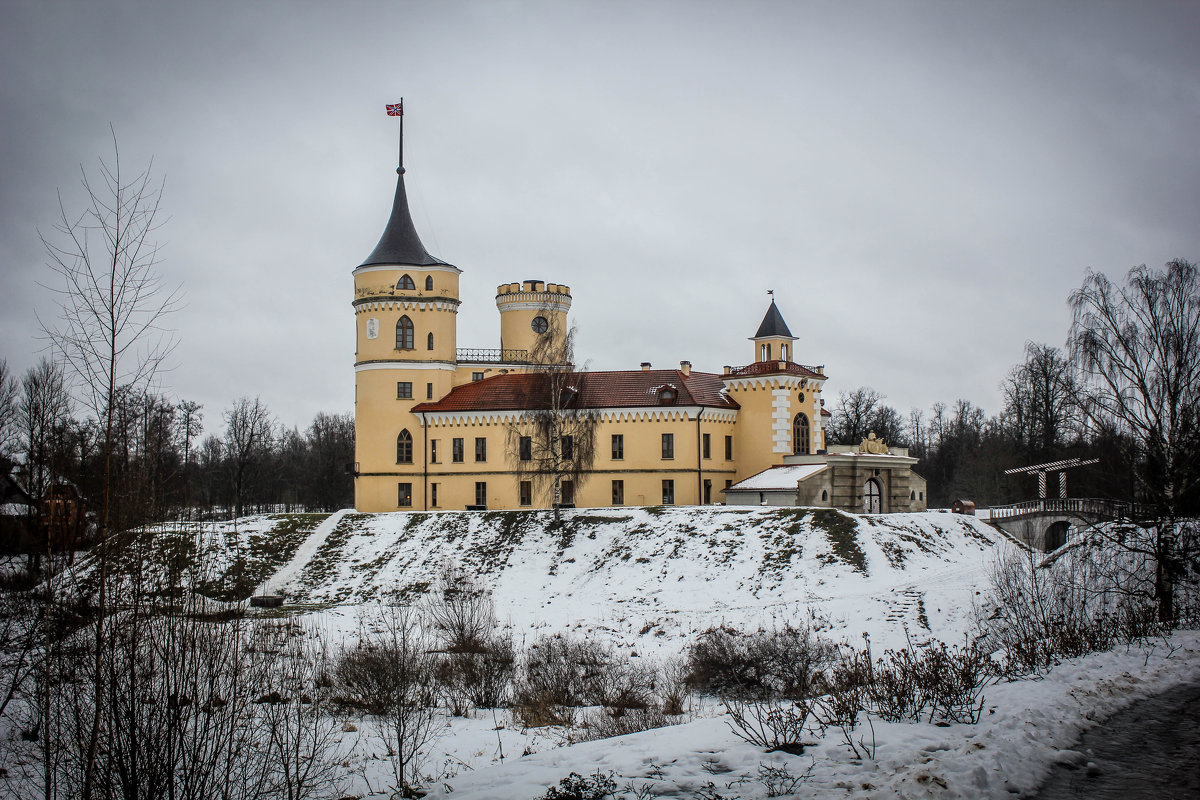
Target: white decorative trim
{"x":551,"y":305}
{"x":407,"y":268}
{"x":674,"y":414}
{"x":418,"y":365}
{"x":407,"y":305}
{"x":781,"y":419}
{"x":780,"y":379}
{"x":446,"y":419}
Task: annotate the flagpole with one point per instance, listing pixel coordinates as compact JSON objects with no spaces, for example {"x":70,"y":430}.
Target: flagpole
{"x":400,"y":165}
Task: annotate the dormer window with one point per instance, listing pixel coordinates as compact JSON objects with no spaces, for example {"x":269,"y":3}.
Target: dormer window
{"x":405,"y":282}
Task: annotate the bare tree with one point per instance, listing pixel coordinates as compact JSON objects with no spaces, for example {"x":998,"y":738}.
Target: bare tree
{"x":1040,"y":398}
{"x":554,"y":439}
{"x":1139,"y":347}
{"x":248,"y":432}
{"x":390,"y":674}
{"x":110,"y":329}
{"x":8,"y":410}
{"x":43,"y":406}
{"x":862,"y":411}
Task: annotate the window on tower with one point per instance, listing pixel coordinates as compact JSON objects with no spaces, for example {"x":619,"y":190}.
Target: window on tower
{"x":800,"y":437}
{"x":404,"y":447}
{"x":404,"y":333}
{"x":405,"y":282}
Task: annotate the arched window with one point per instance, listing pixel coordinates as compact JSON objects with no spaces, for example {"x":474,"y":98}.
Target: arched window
{"x":404,"y":333}
{"x":404,"y":447}
{"x":429,"y":341}
{"x":429,"y":283}
{"x":800,"y":440}
{"x":405,"y":282}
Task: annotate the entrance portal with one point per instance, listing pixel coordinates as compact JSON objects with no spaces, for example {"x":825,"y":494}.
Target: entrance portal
{"x":872,"y":497}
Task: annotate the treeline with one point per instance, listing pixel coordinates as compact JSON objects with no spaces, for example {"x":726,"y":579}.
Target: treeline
{"x":964,"y":451}
{"x":163,"y":462}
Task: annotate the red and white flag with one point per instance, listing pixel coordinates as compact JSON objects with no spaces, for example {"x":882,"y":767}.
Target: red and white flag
{"x":396,"y":110}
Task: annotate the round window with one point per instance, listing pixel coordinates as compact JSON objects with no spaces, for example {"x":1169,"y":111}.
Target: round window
{"x":539,"y":325}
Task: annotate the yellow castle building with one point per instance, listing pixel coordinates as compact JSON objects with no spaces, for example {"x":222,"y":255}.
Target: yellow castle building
{"x":439,"y":427}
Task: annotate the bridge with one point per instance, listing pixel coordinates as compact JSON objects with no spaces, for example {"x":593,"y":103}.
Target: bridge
{"x":1045,"y":524}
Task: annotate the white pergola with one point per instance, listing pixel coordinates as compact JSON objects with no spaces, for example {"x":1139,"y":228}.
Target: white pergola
{"x":1060,"y":467}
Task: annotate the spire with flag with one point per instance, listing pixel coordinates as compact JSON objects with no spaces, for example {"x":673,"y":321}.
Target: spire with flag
{"x":397,"y":110}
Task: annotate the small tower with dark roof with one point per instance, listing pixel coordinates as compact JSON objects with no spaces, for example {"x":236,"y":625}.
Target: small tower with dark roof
{"x":773,"y":341}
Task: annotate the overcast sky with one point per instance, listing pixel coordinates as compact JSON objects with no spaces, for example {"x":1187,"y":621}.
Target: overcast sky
{"x":921,"y":183}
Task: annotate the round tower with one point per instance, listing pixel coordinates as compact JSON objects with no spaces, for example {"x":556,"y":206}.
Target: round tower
{"x":405,"y":306}
{"x":530,"y":311}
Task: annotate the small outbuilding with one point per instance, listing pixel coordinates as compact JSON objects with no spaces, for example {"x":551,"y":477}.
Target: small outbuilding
{"x":963,"y":507}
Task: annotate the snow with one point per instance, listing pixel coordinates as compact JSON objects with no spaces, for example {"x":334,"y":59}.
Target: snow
{"x":785,"y":477}
{"x":649,"y":579}
{"x":1027,"y":727}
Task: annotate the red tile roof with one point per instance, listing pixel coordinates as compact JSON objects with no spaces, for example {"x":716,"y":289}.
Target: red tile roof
{"x":626,"y":389}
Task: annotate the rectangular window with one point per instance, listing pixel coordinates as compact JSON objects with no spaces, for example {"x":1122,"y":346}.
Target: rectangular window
{"x":476,"y":376}
{"x":525,"y":450}
{"x":433,"y":451}
{"x":706,"y":440}
{"x":729,"y":448}
{"x":525,"y":493}
{"x":618,"y":446}
{"x":433,"y":487}
{"x":568,"y":447}
{"x":480,"y":448}
{"x":456,"y":450}
{"x":668,"y":445}
{"x":429,"y":391}
{"x":403,"y":390}
{"x":481,"y":493}
{"x":618,"y":493}
{"x":668,"y":493}
{"x":405,"y":500}
{"x":566,"y":491}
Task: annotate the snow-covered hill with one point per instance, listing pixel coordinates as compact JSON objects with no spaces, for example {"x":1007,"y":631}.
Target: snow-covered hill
{"x":648,"y":578}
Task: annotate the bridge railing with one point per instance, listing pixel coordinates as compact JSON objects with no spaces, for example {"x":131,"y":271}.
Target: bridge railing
{"x":1090,"y":506}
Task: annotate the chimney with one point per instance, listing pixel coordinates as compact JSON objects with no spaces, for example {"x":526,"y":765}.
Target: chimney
{"x":645,"y":366}
{"x":685,"y":367}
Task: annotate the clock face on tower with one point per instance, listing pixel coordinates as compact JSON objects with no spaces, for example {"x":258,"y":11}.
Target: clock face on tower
{"x":539,"y":325}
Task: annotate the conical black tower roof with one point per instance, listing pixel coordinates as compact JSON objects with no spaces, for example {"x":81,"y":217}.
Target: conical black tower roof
{"x":773,"y":324}
{"x":400,"y":243}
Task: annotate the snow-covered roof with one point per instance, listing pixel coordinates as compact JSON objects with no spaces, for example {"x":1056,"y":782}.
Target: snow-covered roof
{"x":785,"y":477}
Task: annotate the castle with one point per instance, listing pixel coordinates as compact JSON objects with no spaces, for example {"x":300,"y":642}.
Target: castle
{"x":443,"y":427}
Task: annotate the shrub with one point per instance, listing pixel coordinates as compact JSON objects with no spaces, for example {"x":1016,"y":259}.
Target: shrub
{"x":785,"y":662}
{"x":576,"y":787}
{"x":605,"y":724}
{"x":480,"y":679}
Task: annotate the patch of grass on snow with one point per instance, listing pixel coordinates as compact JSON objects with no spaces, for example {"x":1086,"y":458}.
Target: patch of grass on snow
{"x":842,"y":532}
